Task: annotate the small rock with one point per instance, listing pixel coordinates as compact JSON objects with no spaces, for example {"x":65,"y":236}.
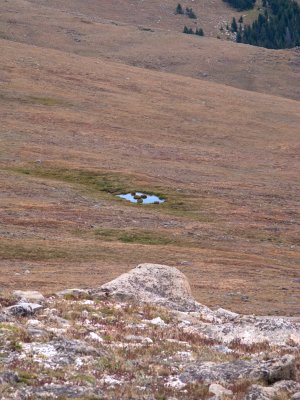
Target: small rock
{"x":219,"y":390}
{"x":3,"y":317}
{"x":8,"y":377}
{"x":174,"y":382}
{"x":295,"y":339}
{"x":29,"y":296}
{"x":87,"y":302}
{"x":61,"y":322}
{"x":95,"y":337}
{"x":138,"y":339}
{"x":226,"y":314}
{"x":40,"y":333}
{"x":184,"y":355}
{"x":111,"y":381}
{"x":34,"y":323}
{"x":222,"y":349}
{"x":157,"y":321}
{"x":23,"y":309}
{"x":296,"y":396}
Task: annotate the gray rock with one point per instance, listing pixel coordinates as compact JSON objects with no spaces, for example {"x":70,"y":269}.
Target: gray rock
{"x":226,"y":314}
{"x":30,"y":296}
{"x":287,"y":386}
{"x":54,"y":391}
{"x":73,"y":347}
{"x":268,"y":371}
{"x":222,"y":349}
{"x":61,"y":351}
{"x":138,"y":339}
{"x":61,"y":322}
{"x":296,"y":396}
{"x":23,"y":309}
{"x":3,"y":317}
{"x":257,"y":392}
{"x":8,"y":377}
{"x":152,"y":283}
{"x":249,"y":329}
{"x":168,"y":287}
{"x":37,"y":333}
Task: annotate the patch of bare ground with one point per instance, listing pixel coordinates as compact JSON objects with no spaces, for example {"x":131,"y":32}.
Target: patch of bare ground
{"x":76,"y":130}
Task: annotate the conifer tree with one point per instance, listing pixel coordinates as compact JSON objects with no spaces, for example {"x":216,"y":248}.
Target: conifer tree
{"x":190,"y":13}
{"x":199,"y":32}
{"x":278,"y":27}
{"x":234,"y":26}
{"x":179,"y":9}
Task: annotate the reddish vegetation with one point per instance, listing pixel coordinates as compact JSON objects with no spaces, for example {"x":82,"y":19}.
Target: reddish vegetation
{"x":225,"y":158}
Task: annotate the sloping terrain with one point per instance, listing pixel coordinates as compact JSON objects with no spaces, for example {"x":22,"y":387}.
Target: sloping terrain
{"x":110,"y":31}
{"x":75,"y":130}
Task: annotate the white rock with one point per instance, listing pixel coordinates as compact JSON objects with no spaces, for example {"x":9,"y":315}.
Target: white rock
{"x":147,"y":340}
{"x":157,"y":321}
{"x":96,"y":337}
{"x":34,"y":323}
{"x":87,"y":302}
{"x":295,"y":338}
{"x":40,"y":351}
{"x":111,"y":381}
{"x":78,"y":362}
{"x":29,"y":296}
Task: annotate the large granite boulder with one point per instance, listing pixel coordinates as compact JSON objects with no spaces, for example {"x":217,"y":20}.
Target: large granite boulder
{"x":152,"y":283}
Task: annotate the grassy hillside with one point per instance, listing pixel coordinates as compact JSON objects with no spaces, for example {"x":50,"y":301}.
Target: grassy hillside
{"x":76,"y":130}
{"x":112,"y":32}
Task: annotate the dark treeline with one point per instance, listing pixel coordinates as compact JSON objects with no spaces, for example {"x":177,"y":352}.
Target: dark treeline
{"x":277,"y":28}
{"x":241,"y":5}
{"x":190,"y":31}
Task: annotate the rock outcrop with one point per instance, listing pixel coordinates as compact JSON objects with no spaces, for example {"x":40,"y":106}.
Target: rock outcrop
{"x":270,"y":371}
{"x":168,"y":287}
{"x":152,"y":283}
{"x":143,"y":336}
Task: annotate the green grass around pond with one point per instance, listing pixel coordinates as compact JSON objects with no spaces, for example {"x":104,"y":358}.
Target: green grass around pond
{"x":134,"y":236}
{"x":102,"y":183}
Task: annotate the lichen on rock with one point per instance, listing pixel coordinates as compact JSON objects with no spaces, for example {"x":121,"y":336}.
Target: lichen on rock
{"x":143,"y":336}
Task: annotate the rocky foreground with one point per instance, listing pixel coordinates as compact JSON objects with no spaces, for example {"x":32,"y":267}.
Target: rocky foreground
{"x":143,"y":336}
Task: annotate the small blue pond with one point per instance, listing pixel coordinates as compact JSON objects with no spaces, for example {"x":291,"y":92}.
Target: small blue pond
{"x":141,"y":198}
